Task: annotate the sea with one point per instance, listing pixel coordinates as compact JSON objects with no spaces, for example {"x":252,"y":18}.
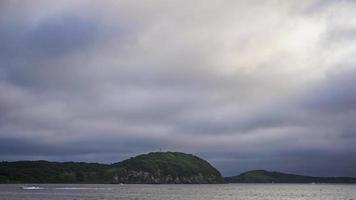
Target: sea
{"x":178,"y":192}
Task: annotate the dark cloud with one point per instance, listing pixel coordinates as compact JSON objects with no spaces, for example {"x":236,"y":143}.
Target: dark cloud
{"x":95,"y":149}
{"x":337,"y":94}
{"x":29,"y":50}
{"x":61,"y":34}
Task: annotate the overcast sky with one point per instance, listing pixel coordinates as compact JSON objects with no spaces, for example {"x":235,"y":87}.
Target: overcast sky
{"x":244,"y":84}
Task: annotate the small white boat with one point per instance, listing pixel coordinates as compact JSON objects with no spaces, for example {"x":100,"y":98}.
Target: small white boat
{"x":31,"y":188}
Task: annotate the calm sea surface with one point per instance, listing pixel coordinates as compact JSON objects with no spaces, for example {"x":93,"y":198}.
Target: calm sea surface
{"x":191,"y":192}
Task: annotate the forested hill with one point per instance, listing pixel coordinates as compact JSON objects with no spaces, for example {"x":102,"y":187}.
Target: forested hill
{"x":262,"y":176}
{"x":156,"y":167}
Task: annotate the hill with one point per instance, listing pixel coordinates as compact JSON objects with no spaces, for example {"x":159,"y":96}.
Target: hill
{"x":263,"y":176}
{"x":156,"y":167}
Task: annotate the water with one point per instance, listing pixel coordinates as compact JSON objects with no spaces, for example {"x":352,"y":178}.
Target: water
{"x":179,"y":192}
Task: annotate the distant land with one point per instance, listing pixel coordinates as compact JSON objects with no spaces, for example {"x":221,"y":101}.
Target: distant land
{"x":263,"y":176}
{"x":151,"y":168}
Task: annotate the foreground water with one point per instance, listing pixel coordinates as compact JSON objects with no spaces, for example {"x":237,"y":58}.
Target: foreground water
{"x":180,"y":192}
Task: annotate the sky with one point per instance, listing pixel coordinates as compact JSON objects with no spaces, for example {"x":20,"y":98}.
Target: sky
{"x":243,"y":84}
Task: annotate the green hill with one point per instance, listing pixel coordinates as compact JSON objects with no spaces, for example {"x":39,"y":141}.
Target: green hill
{"x":157,"y":167}
{"x":53,"y":172}
{"x":262,"y":176}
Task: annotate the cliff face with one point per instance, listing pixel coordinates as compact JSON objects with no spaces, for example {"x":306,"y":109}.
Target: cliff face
{"x":167,"y":167}
{"x":138,"y":177}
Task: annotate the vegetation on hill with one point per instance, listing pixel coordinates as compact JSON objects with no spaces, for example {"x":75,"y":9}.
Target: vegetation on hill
{"x":168,"y":167}
{"x":53,"y":172}
{"x":262,"y":176}
{"x":158,"y":167}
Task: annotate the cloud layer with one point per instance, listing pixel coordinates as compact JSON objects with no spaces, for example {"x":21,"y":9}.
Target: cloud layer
{"x":245,"y":85}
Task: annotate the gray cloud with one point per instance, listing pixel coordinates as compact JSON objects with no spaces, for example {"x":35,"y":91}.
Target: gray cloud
{"x":61,"y":34}
{"x":247,"y":85}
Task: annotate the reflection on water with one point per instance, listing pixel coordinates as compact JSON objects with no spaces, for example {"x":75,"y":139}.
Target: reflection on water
{"x":181,"y":192}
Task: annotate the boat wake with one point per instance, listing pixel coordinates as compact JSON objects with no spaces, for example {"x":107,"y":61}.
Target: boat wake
{"x":31,"y":188}
{"x":81,"y":188}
